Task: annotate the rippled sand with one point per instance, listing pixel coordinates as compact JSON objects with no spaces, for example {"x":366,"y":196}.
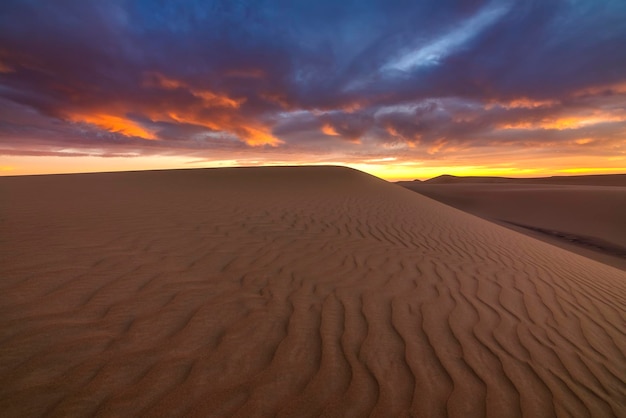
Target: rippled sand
{"x":301,"y":291}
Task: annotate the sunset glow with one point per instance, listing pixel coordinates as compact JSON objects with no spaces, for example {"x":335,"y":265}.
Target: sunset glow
{"x":114,"y":124}
{"x":400,"y":92}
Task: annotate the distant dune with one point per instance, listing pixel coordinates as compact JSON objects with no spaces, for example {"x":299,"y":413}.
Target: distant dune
{"x":289,"y":291}
{"x":588,"y":180}
{"x":584,"y":214}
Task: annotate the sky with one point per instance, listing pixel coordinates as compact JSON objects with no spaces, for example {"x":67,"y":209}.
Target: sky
{"x":400,"y":89}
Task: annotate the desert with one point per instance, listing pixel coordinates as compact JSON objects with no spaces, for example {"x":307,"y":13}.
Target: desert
{"x":292,"y":291}
{"x":582,"y":213}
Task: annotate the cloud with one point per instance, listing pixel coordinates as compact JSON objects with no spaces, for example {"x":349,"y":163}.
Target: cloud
{"x":367,"y":79}
{"x":434,"y":50}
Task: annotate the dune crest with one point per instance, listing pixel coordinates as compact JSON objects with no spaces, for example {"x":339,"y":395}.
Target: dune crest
{"x":618,"y":180}
{"x":299,"y":291}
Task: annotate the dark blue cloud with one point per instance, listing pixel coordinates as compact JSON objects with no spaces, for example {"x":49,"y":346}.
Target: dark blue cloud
{"x":295,"y":67}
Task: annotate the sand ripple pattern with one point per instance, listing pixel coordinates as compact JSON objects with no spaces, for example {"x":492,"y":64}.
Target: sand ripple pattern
{"x":291,"y":292}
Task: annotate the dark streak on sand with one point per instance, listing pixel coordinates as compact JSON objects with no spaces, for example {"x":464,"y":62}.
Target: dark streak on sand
{"x":591,"y":243}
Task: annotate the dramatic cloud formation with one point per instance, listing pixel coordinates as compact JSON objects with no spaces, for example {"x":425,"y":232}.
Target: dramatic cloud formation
{"x":399,"y":88}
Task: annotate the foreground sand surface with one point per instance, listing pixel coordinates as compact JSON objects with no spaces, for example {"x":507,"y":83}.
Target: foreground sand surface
{"x":588,"y":218}
{"x":292,"y":292}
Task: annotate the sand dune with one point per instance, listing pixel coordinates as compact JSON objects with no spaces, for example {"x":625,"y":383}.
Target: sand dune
{"x":587,"y":219}
{"x":291,"y":292}
{"x":586,"y":180}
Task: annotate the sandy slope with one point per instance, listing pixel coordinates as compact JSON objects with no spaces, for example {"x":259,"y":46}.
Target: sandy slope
{"x":589,"y":219}
{"x":291,"y":291}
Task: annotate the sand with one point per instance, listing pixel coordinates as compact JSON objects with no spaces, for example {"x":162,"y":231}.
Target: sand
{"x":584,"y":180}
{"x":291,"y":292}
{"x":584,"y":214}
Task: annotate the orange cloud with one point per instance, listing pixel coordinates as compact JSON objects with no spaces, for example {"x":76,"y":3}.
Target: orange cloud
{"x":522,"y":102}
{"x":618,"y":88}
{"x":225,"y":118}
{"x":209,"y":98}
{"x":392,"y":131}
{"x":409,"y":142}
{"x":114,"y":124}
{"x":570,"y":122}
{"x":259,"y":136}
{"x":159,"y":80}
{"x":251,"y":133}
{"x":186,"y":118}
{"x":437,"y":146}
{"x":564,"y":123}
{"x":328,"y":129}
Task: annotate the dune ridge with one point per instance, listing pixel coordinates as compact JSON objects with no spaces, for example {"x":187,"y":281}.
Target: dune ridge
{"x":618,"y":180}
{"x":308,"y":291}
